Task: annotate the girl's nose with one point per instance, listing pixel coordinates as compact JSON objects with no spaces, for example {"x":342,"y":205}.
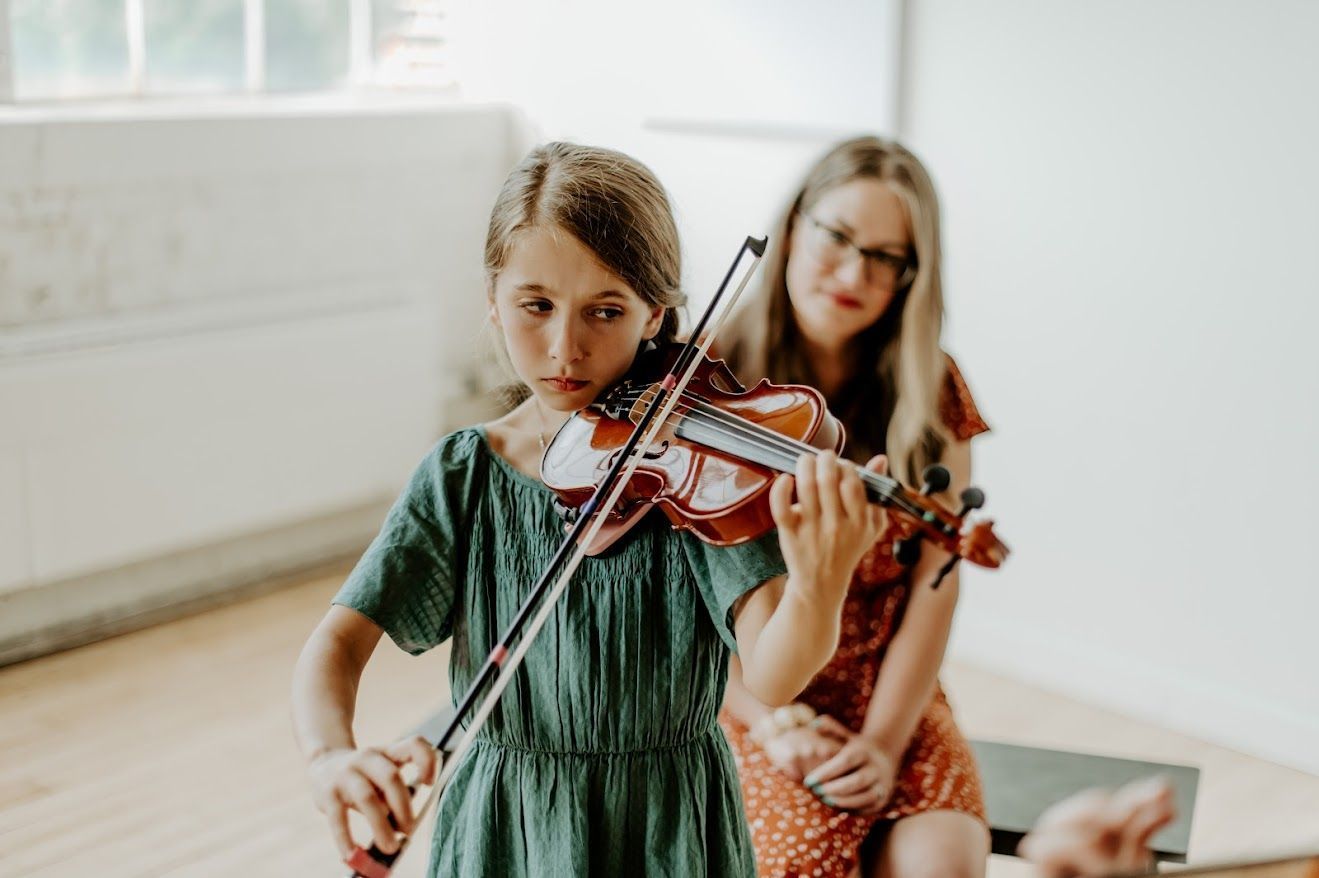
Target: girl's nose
{"x":566,"y":346}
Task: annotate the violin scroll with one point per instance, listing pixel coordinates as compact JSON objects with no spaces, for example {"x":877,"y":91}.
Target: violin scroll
{"x":919,"y":516}
{"x":981,"y":547}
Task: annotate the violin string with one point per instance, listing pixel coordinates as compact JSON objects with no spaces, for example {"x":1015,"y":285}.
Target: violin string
{"x":886,"y":488}
{"x":786,"y":444}
{"x":790,"y":449}
{"x":729,"y":425}
{"x":763,"y":437}
{"x":757,"y":435}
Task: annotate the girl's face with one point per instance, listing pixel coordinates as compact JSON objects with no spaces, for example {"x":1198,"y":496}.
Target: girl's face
{"x":572,"y":326}
{"x":845,"y":258}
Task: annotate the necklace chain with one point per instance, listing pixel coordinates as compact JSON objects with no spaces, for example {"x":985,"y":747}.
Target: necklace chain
{"x":543,"y":426}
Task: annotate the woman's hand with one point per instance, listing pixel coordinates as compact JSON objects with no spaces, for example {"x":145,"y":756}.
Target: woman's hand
{"x":824,"y":534}
{"x":859,"y":777}
{"x":370,"y":781}
{"x":1098,"y":832}
{"x":797,"y":751}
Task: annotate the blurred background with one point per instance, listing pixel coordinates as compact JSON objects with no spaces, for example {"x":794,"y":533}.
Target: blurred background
{"x":241,"y":292}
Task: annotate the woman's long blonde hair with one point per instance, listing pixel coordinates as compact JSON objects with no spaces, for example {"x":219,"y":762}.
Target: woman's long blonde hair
{"x":610,"y":202}
{"x":891,"y":403}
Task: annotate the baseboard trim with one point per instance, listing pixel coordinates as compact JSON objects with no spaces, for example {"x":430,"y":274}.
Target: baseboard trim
{"x":1196,"y":706}
{"x":54,"y":616}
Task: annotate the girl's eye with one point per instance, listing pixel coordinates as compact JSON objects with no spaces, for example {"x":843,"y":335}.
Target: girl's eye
{"x":535,"y":306}
{"x":608,"y":313}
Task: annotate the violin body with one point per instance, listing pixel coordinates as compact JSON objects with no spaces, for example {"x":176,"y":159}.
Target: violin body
{"x":715,"y":490}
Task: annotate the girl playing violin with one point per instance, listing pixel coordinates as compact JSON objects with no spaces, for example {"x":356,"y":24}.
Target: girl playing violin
{"x":604,"y":756}
{"x":869,"y":773}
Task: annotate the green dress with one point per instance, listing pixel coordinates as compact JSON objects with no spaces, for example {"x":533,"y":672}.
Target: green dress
{"x":603,"y":757}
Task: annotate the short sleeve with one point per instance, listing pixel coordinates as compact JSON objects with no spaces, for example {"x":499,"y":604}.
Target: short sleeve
{"x":726,"y":573}
{"x":405,"y":581}
{"x":956,"y":407}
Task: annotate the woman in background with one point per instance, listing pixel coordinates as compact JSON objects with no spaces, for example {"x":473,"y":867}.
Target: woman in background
{"x":868,"y":772}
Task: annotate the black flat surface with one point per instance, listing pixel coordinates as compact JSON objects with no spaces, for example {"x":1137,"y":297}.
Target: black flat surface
{"x":1306,"y":866}
{"x":1020,"y":782}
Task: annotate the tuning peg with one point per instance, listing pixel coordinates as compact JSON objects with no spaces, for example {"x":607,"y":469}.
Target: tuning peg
{"x":934,"y":479}
{"x":908,"y":551}
{"x":972,"y":498}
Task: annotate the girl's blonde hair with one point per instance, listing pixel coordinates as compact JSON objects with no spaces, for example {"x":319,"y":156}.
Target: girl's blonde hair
{"x":891,"y":403}
{"x":610,"y":202}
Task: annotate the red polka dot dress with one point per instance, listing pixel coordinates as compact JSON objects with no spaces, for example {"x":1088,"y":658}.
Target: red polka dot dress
{"x":796,"y":834}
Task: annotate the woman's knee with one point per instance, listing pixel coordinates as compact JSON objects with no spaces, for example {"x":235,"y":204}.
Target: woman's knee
{"x":934,"y":845}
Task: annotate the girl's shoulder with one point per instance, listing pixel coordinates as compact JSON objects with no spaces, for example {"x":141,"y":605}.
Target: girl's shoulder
{"x":465,"y":463}
{"x":457,"y":452}
{"x":447,"y":474}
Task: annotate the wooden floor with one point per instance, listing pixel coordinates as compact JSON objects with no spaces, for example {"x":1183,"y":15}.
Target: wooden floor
{"x":168,"y":752}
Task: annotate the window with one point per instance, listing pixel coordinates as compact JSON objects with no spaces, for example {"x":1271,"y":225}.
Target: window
{"x":80,"y":49}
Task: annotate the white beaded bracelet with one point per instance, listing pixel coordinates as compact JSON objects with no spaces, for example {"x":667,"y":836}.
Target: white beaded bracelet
{"x":781,"y":719}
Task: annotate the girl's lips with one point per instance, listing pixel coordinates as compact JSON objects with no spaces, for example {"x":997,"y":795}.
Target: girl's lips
{"x":565,"y":385}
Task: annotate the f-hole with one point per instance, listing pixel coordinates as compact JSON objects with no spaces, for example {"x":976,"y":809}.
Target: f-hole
{"x":653,"y":454}
{"x":657,"y":453}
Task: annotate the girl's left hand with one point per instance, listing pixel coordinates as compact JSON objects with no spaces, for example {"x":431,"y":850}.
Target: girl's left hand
{"x":860,"y":775}
{"x":824,"y":534}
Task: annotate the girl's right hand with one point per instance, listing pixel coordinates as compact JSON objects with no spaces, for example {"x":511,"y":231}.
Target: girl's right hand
{"x":798,"y":751}
{"x":369,"y":780}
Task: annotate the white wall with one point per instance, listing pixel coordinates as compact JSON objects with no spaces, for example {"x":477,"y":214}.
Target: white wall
{"x":222,"y":322}
{"x":6,"y":78}
{"x":1132,"y":205}
{"x":727,"y":102}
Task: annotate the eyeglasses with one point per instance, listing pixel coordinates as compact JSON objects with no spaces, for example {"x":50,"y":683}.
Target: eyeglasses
{"x":831,"y":247}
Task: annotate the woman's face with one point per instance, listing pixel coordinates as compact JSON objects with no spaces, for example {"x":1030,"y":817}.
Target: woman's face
{"x":572,"y":327}
{"x":835,"y":290}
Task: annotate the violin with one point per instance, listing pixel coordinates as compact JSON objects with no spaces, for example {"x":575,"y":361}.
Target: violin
{"x":710,"y":467}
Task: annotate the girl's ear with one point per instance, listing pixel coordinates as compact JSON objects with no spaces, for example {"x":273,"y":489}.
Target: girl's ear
{"x":654,"y":323}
